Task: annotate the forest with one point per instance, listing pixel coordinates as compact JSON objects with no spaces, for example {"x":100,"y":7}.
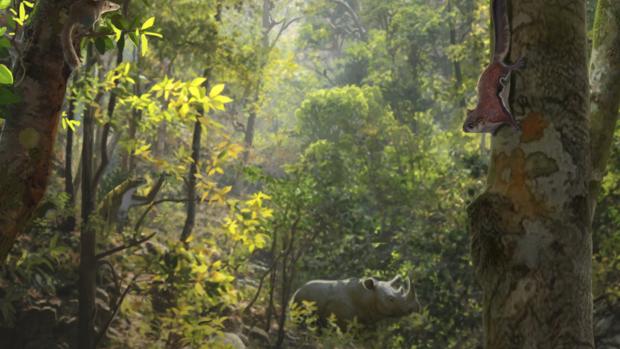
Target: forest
{"x":309,"y":174}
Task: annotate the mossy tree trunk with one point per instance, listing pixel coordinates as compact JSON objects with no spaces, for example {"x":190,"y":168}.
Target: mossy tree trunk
{"x":605,"y":89}
{"x":29,"y":132}
{"x":530,"y":230}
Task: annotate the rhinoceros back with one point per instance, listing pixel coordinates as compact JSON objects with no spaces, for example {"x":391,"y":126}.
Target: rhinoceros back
{"x":329,"y":296}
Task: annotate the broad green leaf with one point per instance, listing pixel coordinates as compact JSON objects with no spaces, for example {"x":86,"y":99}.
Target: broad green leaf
{"x":144,"y":47}
{"x":223,"y":99}
{"x":4,"y":43}
{"x":198,"y":81}
{"x":6,"y":77}
{"x":4,"y":4}
{"x":148,"y":23}
{"x":216,"y":90}
{"x":7,"y":96}
{"x":117,"y":32}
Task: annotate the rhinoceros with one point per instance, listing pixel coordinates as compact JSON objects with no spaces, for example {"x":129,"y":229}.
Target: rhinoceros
{"x":368,"y":300}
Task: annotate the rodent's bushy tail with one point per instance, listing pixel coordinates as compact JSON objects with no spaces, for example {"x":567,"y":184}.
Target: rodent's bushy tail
{"x":68,"y":50}
{"x":501,"y":29}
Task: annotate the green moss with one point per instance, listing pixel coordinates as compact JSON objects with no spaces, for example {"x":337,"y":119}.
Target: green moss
{"x":29,"y":138}
{"x":540,"y":165}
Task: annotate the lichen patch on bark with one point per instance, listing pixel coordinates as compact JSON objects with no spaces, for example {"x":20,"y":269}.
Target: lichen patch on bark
{"x":532,"y":243}
{"x":557,"y":187}
{"x":511,"y":180}
{"x":517,"y":300}
{"x":533,"y":127}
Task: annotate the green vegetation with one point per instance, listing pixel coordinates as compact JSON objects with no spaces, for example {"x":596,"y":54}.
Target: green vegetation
{"x":330,"y":146}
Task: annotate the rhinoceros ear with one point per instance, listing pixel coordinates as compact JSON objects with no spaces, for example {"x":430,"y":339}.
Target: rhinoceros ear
{"x":369,"y":283}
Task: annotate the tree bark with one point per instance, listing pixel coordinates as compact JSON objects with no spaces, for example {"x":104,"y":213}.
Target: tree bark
{"x":128,"y":163}
{"x":190,"y":218}
{"x":604,"y":89}
{"x":88,"y":236}
{"x":29,"y":131}
{"x":456,"y":64}
{"x":69,"y":223}
{"x":263,"y":54}
{"x":530,"y":230}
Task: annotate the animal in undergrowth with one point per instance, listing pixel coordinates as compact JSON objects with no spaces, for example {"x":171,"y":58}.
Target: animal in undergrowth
{"x":492,"y":110}
{"x":115,"y":206}
{"x":83,"y":15}
{"x":368,"y":300}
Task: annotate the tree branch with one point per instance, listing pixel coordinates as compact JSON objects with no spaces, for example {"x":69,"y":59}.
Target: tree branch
{"x":282,"y":29}
{"x":356,"y":18}
{"x":115,"y":311}
{"x":123,"y":247}
{"x":153,"y":204}
{"x":604,"y":90}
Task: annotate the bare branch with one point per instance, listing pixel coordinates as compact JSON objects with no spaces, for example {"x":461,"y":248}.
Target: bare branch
{"x":355,"y":17}
{"x":115,"y":311}
{"x":124,"y":247}
{"x":282,"y":29}
{"x":153,"y":204}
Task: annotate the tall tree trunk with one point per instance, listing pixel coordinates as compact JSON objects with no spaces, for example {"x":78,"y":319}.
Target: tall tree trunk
{"x":107,"y":127}
{"x":605,"y":89}
{"x":250,"y":126}
{"x":87,"y":269}
{"x":190,"y":217}
{"x":29,"y":131}
{"x":128,"y":162}
{"x":263,"y":54}
{"x":69,"y":223}
{"x":530,"y":230}
{"x":196,"y":139}
{"x":456,"y":65}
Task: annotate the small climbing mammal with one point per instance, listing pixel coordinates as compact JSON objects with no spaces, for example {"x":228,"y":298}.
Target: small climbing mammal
{"x":83,"y":15}
{"x":368,"y":300}
{"x":493,"y":109}
{"x":115,"y":206}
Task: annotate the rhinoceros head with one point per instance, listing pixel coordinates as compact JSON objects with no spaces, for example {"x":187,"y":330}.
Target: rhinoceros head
{"x":392,"y":301}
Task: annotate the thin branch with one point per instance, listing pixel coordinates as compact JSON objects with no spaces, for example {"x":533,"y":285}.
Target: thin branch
{"x":116,"y":308}
{"x":103,"y":153}
{"x":123,"y":247}
{"x":261,"y":282}
{"x":153,"y":204}
{"x":107,"y":263}
{"x":356,"y":18}
{"x":282,"y":29}
{"x":153,"y":192}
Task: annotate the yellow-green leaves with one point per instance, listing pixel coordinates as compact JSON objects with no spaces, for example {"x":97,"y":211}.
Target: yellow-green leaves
{"x":143,"y":33}
{"x":6,"y":77}
{"x":118,"y":76}
{"x":148,"y":23}
{"x":217,"y":101}
{"x":216,"y":90}
{"x":142,"y":150}
{"x":246,"y":222}
{"x":21,"y":16}
{"x":68,"y":123}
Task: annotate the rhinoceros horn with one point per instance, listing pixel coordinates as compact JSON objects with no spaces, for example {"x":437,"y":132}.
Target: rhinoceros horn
{"x":407,"y":290}
{"x":411,"y":295}
{"x":393,"y":281}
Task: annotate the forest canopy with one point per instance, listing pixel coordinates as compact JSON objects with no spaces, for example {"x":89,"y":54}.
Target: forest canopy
{"x":203,"y":160}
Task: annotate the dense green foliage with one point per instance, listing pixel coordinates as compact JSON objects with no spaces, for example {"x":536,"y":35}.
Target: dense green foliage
{"x":356,"y":167}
